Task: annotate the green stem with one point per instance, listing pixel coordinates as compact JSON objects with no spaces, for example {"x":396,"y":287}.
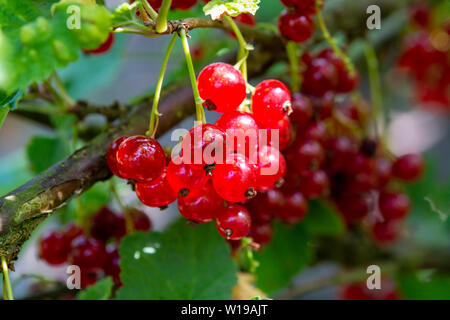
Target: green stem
{"x":326,"y":34}
{"x":57,"y":98}
{"x":375,"y":88}
{"x":294,"y":65}
{"x":161,"y":22}
{"x":190,"y":65}
{"x":62,"y":91}
{"x":153,"y":14}
{"x":143,"y":12}
{"x":6,"y":281}
{"x":243,"y":51}
{"x":154,"y":117}
{"x":3,"y":113}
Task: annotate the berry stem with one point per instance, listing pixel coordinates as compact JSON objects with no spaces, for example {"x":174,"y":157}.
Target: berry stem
{"x":3,"y":113}
{"x":154,"y":116}
{"x":6,"y":281}
{"x":161,"y":21}
{"x":243,"y":49}
{"x":63,"y":92}
{"x":375,"y":88}
{"x":293,"y":54}
{"x":153,"y":14}
{"x":128,"y":219}
{"x":143,"y":12}
{"x":326,"y":34}
{"x":190,"y":65}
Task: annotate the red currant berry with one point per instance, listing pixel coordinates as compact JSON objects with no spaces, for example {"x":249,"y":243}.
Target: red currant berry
{"x":408,"y":167}
{"x":71,"y":232}
{"x":306,"y":156}
{"x":296,"y":27}
{"x":235,"y":180}
{"x":204,"y":144}
{"x":104,"y":47}
{"x":340,"y":152}
{"x":106,"y":224}
{"x":353,"y":208}
{"x":315,"y":184}
{"x":87,"y":252}
{"x":112,"y":267}
{"x":184,"y":178}
{"x":141,"y":221}
{"x":420,"y":14}
{"x":111,"y":156}
{"x":89,"y":277}
{"x":295,"y":208}
{"x":222,"y":87}
{"x":244,"y":18}
{"x":53,"y":248}
{"x":261,"y":232}
{"x":346,"y":82}
{"x":271,"y":102}
{"x":183,"y":4}
{"x":201,"y":206}
{"x":302,"y":110}
{"x":386,"y":232}
{"x":281,"y":138}
{"x":264,"y":206}
{"x":320,"y":77}
{"x":140,"y":158}
{"x":383,"y":171}
{"x":271,"y":168}
{"x":157,"y":193}
{"x":234,"y":222}
{"x":317,"y":131}
{"x":394,"y":205}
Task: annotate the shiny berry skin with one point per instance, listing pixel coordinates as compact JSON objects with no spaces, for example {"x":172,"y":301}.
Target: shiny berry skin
{"x":340,"y":151}
{"x":234,"y":222}
{"x":222,"y":87}
{"x":54,"y":248}
{"x":394,"y":205}
{"x":106,"y":224}
{"x":346,"y":82}
{"x":201,"y":206}
{"x":140,"y":158}
{"x":284,"y":135}
{"x":72,"y":231}
{"x":386,"y":232}
{"x":302,"y":110}
{"x":104,"y":47}
{"x":245,"y":18}
{"x":141,"y":222}
{"x":295,"y":208}
{"x":265,"y":205}
{"x":184,"y":178}
{"x":296,"y":27}
{"x":235,"y":180}
{"x":261,"y":232}
{"x":317,"y":131}
{"x":315,"y":184}
{"x":87,"y":252}
{"x":241,"y":130}
{"x":408,"y":167}
{"x":353,"y":208}
{"x":204,"y":144}
{"x":320,"y":77}
{"x":271,"y":168}
{"x":183,"y":4}
{"x":271,"y":102}
{"x":111,"y":156}
{"x":157,"y":193}
{"x":306,"y":156}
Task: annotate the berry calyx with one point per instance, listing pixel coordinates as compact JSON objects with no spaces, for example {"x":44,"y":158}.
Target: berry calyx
{"x":222,"y":87}
{"x":271,"y":168}
{"x":140,"y":158}
{"x":234,"y":222}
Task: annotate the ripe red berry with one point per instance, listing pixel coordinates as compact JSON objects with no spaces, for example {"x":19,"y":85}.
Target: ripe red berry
{"x":104,"y":47}
{"x":222,"y":87}
{"x":271,"y":102}
{"x":111,"y":156}
{"x":302,"y":110}
{"x":89,"y":276}
{"x":386,"y":232}
{"x":183,"y":4}
{"x":394,"y":205}
{"x":72,"y":231}
{"x":106,"y":224}
{"x":320,"y":77}
{"x":241,"y":130}
{"x":141,"y":222}
{"x":156,"y":193}
{"x":235,"y":180}
{"x":314,"y":184}
{"x":271,"y":168}
{"x":281,"y":138}
{"x":87,"y":252}
{"x":340,"y":151}
{"x":346,"y":82}
{"x":140,"y":158}
{"x":295,"y":208}
{"x":204,"y":144}
{"x":112,"y":267}
{"x":246,"y":18}
{"x":184,"y":178}
{"x":353,"y":208}
{"x":264,"y":206}
{"x":201,"y":206}
{"x":408,"y":167}
{"x":306,"y":156}
{"x":54,"y":248}
{"x":295,"y":26}
{"x":383,"y":171}
{"x":317,"y":131}
{"x":234,"y":222}
{"x":261,"y":232}
{"x":299,"y":4}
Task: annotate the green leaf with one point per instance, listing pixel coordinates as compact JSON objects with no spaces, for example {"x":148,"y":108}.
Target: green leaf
{"x":322,"y":220}
{"x":283,"y":258}
{"x":33,"y":43}
{"x":101,"y":290}
{"x":124,"y":14}
{"x":183,"y":263}
{"x":217,"y":8}
{"x":43,"y":152}
{"x":414,"y":287}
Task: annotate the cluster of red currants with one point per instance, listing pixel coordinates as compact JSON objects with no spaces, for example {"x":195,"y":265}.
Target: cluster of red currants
{"x":219,"y":165}
{"x":296,"y":23}
{"x":425,"y":58}
{"x":95,"y":251}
